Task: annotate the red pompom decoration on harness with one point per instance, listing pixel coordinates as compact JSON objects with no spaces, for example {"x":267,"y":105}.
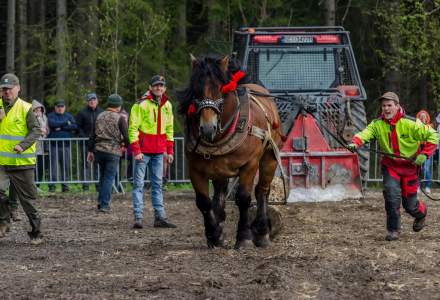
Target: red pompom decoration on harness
{"x":232,"y":85}
{"x":191,"y":110}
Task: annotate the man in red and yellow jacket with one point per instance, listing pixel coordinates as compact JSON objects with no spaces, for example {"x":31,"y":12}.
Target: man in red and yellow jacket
{"x":399,"y":135}
{"x":151,"y":135}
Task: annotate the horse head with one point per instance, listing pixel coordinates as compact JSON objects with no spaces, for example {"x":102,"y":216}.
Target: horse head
{"x":204,"y":97}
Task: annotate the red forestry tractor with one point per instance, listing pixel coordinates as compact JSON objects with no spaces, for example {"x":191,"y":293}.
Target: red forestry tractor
{"x":312,"y":73}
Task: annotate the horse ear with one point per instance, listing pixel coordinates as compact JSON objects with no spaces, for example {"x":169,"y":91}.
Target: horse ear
{"x":194,"y":61}
{"x":224,"y":63}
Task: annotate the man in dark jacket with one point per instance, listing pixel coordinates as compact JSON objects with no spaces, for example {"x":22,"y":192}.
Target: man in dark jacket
{"x":62,"y":125}
{"x":86,"y":120}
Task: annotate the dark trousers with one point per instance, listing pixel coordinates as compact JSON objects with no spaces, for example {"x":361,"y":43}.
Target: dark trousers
{"x":401,"y":189}
{"x":108,"y":168}
{"x":60,"y":157}
{"x":13,"y":199}
{"x":23,"y":184}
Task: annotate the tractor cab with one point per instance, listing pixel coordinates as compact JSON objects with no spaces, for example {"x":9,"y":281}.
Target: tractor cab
{"x":313,"y":75}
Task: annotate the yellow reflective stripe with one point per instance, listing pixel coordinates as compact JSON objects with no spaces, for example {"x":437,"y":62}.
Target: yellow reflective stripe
{"x":11,"y":137}
{"x":17,"y":155}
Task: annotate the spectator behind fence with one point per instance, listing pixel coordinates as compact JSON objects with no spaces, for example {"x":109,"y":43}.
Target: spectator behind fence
{"x":105,"y":147}
{"x":151,"y":134}
{"x":42,"y":148}
{"x":424,"y":118}
{"x":85,"y":120}
{"x":62,"y":126}
{"x":19,"y":130}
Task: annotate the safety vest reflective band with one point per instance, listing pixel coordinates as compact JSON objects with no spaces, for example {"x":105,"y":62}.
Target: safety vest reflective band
{"x":11,"y":137}
{"x":13,"y":129}
{"x":16,"y":155}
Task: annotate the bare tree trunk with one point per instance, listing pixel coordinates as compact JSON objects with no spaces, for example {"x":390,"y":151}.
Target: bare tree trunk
{"x":23,"y":46}
{"x":10,"y":38}
{"x":423,"y":92}
{"x":263,"y":13}
{"x":37,"y":14}
{"x":116,"y":51}
{"x":393,"y":76}
{"x":161,"y":43}
{"x":330,"y":12}
{"x":212,"y":21}
{"x":89,"y":34}
{"x":61,"y":48}
{"x":181,"y":22}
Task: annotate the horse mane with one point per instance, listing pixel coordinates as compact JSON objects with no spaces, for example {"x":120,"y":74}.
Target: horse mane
{"x":204,"y":68}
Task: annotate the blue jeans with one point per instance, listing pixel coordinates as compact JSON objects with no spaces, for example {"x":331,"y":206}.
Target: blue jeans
{"x":155,"y":165}
{"x":108,"y":167}
{"x":427,"y":174}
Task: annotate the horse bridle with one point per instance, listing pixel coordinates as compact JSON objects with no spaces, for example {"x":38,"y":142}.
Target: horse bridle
{"x":215,"y":104}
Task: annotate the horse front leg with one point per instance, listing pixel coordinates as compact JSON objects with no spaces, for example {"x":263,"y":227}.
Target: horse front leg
{"x":213,"y":230}
{"x":218,"y":201}
{"x":243,"y":201}
{"x":261,"y":225}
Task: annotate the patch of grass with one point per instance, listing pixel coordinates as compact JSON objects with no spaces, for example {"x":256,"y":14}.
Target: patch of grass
{"x":179,"y":186}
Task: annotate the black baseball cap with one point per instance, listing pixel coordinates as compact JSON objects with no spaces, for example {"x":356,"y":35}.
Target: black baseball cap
{"x":60,"y":102}
{"x":157,"y":79}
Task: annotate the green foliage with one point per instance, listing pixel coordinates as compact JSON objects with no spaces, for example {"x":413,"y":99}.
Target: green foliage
{"x":130,"y":47}
{"x":133,"y":40}
{"x":411,"y":33}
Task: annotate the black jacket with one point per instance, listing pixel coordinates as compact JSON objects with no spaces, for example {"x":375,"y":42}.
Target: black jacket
{"x":86,"y":119}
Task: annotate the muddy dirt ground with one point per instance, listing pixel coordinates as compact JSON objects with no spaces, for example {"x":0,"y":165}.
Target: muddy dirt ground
{"x":325,"y":251}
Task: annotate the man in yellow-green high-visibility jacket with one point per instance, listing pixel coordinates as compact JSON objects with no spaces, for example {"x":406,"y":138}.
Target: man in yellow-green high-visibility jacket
{"x":399,"y":135}
{"x":19,"y":130}
{"x":151,"y":135}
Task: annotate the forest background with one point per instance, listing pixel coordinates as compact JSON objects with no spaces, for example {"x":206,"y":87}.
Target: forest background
{"x":62,"y":49}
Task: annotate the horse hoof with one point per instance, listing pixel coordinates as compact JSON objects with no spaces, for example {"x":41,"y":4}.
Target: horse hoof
{"x":216,"y":244}
{"x":243,"y":244}
{"x":262,"y":242}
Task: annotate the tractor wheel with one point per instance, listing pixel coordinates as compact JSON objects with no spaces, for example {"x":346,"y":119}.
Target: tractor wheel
{"x":359,"y":121}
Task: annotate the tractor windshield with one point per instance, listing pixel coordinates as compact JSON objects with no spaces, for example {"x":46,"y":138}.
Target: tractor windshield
{"x":298,"y":69}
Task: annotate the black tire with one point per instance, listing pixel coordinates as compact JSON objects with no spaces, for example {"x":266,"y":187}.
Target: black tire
{"x":359,"y":121}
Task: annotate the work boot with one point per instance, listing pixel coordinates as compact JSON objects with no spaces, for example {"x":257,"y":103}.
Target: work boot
{"x":105,"y":209}
{"x":36,"y":237}
{"x":138,"y":224}
{"x":419,"y":224}
{"x":163,"y":223}
{"x":14,"y":216}
{"x":4,"y":228}
{"x":392,"y":236}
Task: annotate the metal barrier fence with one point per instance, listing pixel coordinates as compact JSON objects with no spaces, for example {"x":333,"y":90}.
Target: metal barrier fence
{"x":64,"y":161}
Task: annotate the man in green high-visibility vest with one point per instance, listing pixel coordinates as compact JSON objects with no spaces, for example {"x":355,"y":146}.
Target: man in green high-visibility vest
{"x":19,"y":130}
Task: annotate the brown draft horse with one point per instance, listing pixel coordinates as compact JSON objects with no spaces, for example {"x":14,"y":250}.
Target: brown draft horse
{"x":215,"y":150}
